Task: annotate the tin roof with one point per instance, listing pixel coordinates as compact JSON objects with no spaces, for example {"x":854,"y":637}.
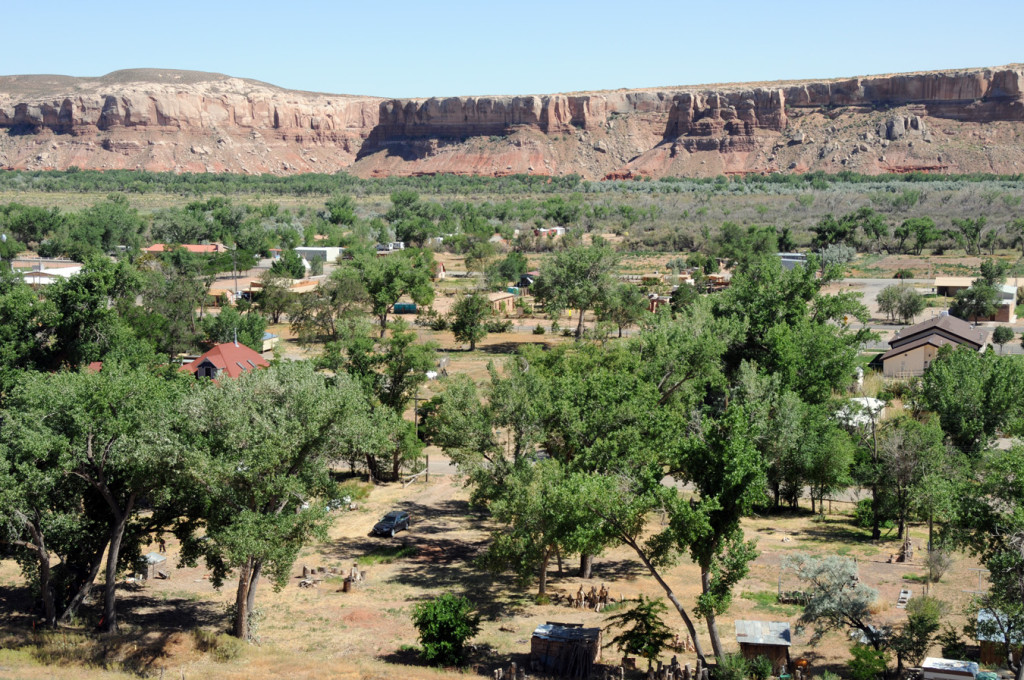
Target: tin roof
{"x":553,"y":631}
{"x":774,"y":633}
{"x":950,"y":665}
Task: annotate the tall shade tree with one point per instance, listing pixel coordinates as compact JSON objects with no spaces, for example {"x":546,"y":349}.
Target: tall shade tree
{"x":908,"y":449}
{"x":386,"y":279}
{"x":578,"y":278}
{"x":975,"y":395}
{"x":990,"y":522}
{"x":792,"y":330}
{"x":114,"y":431}
{"x":468,"y":316}
{"x":624,"y":306}
{"x":260,"y":451}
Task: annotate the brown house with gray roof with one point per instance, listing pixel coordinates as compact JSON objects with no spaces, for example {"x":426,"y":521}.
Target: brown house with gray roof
{"x":914,"y":348}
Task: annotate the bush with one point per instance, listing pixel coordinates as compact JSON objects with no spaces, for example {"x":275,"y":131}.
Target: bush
{"x":903,"y":274}
{"x":952,"y":645}
{"x":760,"y":668}
{"x":221,"y":646}
{"x":731,"y":667}
{"x":445,"y":624}
{"x":863,"y":516}
{"x":498,"y":325}
{"x":538,"y":330}
{"x":867,"y":663}
{"x":938,"y":563}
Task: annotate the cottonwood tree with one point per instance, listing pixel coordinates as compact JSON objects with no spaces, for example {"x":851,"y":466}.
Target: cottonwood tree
{"x":274,"y":298}
{"x":386,"y":279}
{"x":259,"y":456}
{"x":468,"y":316}
{"x":900,"y":302}
{"x":907,"y":449}
{"x":577,"y":278}
{"x":114,"y":431}
{"x":990,"y":523}
{"x":624,"y":306}
{"x":975,"y":395}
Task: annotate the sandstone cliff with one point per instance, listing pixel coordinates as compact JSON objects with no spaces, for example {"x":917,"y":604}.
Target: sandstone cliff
{"x":961,"y":121}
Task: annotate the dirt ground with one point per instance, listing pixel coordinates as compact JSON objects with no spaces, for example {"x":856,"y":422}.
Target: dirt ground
{"x":325,"y":633}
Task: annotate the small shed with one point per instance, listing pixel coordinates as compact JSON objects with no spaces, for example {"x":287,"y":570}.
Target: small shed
{"x":502,"y":303}
{"x":155,"y":562}
{"x":565,"y":649}
{"x":948,"y":669}
{"x":770,"y":639}
{"x":991,"y":641}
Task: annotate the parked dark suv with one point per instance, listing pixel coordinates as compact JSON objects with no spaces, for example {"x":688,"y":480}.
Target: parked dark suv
{"x":391,"y":523}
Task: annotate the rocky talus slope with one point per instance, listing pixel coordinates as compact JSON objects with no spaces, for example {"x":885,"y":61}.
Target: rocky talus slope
{"x":182,"y":121}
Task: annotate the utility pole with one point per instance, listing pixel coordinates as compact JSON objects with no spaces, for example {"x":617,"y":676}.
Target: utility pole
{"x":416,"y":431}
{"x":234,"y":268}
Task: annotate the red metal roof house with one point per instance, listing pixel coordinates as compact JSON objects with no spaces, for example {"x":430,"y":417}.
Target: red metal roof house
{"x":228,"y":358}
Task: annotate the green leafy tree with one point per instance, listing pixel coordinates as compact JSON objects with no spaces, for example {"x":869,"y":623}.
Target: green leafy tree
{"x":968,"y":233}
{"x":1002,"y":335}
{"x":332,"y":308}
{"x":576,"y":278}
{"x":341,"y":209}
{"x":259,"y":471}
{"x":990,"y":523}
{"x":867,"y":663}
{"x":643,"y":632}
{"x":274,"y":297}
{"x":113,"y":430}
{"x":289,"y":265}
{"x":513,"y":266}
{"x":900,"y":302}
{"x":468,"y":316}
{"x":387,"y":279}
{"x":974,"y":394}
{"x":231,"y":325}
{"x":907,"y":448}
{"x":445,"y":625}
{"x":912,"y":641}
{"x":624,"y":306}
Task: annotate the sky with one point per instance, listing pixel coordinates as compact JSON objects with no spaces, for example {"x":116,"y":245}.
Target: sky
{"x":462,"y":47}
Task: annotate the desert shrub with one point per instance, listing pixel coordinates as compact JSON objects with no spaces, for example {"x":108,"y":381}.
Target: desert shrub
{"x":538,"y":330}
{"x":938,"y":563}
{"x":220,"y":646}
{"x":445,"y":624}
{"x":903,"y":274}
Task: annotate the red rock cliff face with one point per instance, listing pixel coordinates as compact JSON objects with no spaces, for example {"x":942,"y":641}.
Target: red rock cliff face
{"x":186,"y":121}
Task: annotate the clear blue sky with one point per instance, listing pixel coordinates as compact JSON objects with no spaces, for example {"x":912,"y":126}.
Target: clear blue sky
{"x":441,"y":48}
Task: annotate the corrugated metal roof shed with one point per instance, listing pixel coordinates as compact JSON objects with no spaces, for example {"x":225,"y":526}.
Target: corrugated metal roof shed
{"x":763,"y":633}
{"x":549,"y":631}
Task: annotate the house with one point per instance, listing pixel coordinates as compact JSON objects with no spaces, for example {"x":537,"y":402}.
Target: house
{"x":948,"y":669}
{"x":791,"y":261}
{"x":770,"y":639}
{"x":949,"y":286}
{"x":324,"y":253}
{"x":502,"y":303}
{"x":654,"y":301}
{"x":991,"y":639}
{"x":914,"y":348}
{"x":565,"y":649}
{"x":198,"y":248}
{"x":550,"y":232}
{"x":390,"y":247}
{"x":229,"y":359}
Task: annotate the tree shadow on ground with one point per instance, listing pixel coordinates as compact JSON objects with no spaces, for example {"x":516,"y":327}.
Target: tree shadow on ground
{"x":509,"y":347}
{"x":17,"y":606}
{"x":149,"y":612}
{"x":833,"y":530}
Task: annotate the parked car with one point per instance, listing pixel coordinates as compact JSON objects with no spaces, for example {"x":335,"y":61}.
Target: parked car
{"x":391,"y":523}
